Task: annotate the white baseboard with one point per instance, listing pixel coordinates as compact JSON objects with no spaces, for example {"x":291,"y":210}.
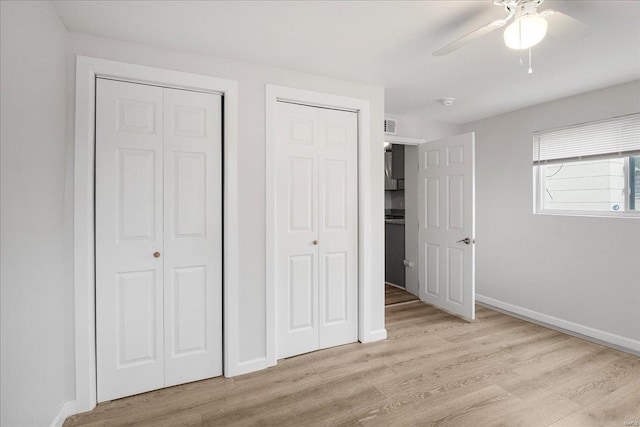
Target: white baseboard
{"x":601,"y":337}
{"x":380,"y":334}
{"x":68,"y":409}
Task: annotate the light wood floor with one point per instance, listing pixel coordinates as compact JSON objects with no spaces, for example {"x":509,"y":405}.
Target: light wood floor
{"x":434,"y":369}
{"x":395,"y":295}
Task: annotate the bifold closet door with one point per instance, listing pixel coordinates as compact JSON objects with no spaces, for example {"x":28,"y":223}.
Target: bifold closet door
{"x":158,"y":237}
{"x":316,"y":228}
{"x":297,"y":229}
{"x":129,"y":230}
{"x":192,"y":236}
{"x":338,"y":227}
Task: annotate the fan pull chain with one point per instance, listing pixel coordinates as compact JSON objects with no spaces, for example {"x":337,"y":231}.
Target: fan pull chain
{"x":530,"y":67}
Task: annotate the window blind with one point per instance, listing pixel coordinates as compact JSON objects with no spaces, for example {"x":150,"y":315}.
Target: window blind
{"x":616,"y":137}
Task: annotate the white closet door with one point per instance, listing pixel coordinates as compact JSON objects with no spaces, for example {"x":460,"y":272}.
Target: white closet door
{"x":338,"y":227}
{"x":316,"y":228}
{"x":158,"y":237}
{"x":192,"y":236}
{"x":129,"y":199}
{"x":297,"y":229}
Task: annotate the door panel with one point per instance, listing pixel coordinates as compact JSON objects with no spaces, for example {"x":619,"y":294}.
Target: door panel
{"x":129,"y":198}
{"x":432,"y":208}
{"x":338,"y":233}
{"x":447,"y":217}
{"x":334,"y":209}
{"x":316,"y":228}
{"x":189,"y":311}
{"x":455,"y":276}
{"x":136,"y":183}
{"x":432,"y":269}
{"x":335,"y":286}
{"x":296,"y":229}
{"x":301,"y":194}
{"x":190,"y":178}
{"x":192,"y":236}
{"x":455,"y":208}
{"x":301,"y":293}
{"x":136,"y":323}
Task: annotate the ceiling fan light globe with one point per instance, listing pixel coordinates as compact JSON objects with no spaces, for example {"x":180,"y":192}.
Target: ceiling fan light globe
{"x":525,"y":32}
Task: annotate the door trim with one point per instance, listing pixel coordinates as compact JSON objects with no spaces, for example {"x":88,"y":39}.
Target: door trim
{"x":365,"y":223}
{"x":87,"y":70}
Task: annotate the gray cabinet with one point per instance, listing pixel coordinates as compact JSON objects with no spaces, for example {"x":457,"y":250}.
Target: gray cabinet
{"x":394,"y":254}
{"x":394,"y":168}
{"x":397,"y":160}
{"x":389,"y":182}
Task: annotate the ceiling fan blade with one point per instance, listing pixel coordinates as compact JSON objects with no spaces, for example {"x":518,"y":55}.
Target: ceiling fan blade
{"x":470,"y":37}
{"x":564,"y":26}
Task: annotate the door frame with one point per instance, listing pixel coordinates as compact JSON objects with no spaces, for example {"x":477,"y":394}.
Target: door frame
{"x":275,"y":94}
{"x":87,"y":70}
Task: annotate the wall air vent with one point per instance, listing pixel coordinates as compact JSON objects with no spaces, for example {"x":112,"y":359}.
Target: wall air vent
{"x":390,"y":126}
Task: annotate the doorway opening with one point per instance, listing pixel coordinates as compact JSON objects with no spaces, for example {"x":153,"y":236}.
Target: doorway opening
{"x":394,"y":215}
{"x":401,"y":219}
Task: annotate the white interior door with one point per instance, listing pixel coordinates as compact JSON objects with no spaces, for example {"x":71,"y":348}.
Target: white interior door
{"x":297,"y":229}
{"x":447,"y":224}
{"x":192,"y":236}
{"x":338,"y":227}
{"x":129,"y":200}
{"x":158,"y":237}
{"x":316,"y":228}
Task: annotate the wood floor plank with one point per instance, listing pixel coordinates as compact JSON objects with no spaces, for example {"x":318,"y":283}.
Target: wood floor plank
{"x":434,"y":369}
{"x":395,"y":295}
{"x":164,"y":401}
{"x":469,"y":409}
{"x":619,"y":408}
{"x":533,"y":382}
{"x":453,"y":411}
{"x":607,"y":378}
{"x":541,"y":411}
{"x":431,"y":383}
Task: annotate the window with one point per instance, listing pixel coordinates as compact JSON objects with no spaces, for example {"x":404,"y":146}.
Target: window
{"x":592,"y":168}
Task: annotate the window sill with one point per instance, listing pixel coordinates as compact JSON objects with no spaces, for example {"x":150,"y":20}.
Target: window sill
{"x":590,"y":214}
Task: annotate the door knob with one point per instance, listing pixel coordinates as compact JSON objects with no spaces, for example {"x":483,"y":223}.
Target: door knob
{"x":315,"y":242}
{"x":466,"y":241}
{"x":156,"y":254}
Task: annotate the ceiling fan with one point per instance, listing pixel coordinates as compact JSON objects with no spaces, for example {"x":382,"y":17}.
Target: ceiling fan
{"x":528,"y":28}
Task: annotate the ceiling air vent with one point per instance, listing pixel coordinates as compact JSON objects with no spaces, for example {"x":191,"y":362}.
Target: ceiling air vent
{"x":390,"y":126}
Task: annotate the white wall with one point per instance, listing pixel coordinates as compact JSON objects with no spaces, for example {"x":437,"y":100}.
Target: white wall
{"x":252,"y":79}
{"x":582,"y":270}
{"x":38,"y":92}
{"x":415,"y":126}
{"x":36,"y":299}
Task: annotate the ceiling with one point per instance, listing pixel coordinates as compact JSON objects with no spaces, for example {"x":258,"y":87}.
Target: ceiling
{"x":388,"y":43}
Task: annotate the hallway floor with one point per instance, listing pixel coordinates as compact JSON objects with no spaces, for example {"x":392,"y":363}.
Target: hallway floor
{"x":395,"y":295}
